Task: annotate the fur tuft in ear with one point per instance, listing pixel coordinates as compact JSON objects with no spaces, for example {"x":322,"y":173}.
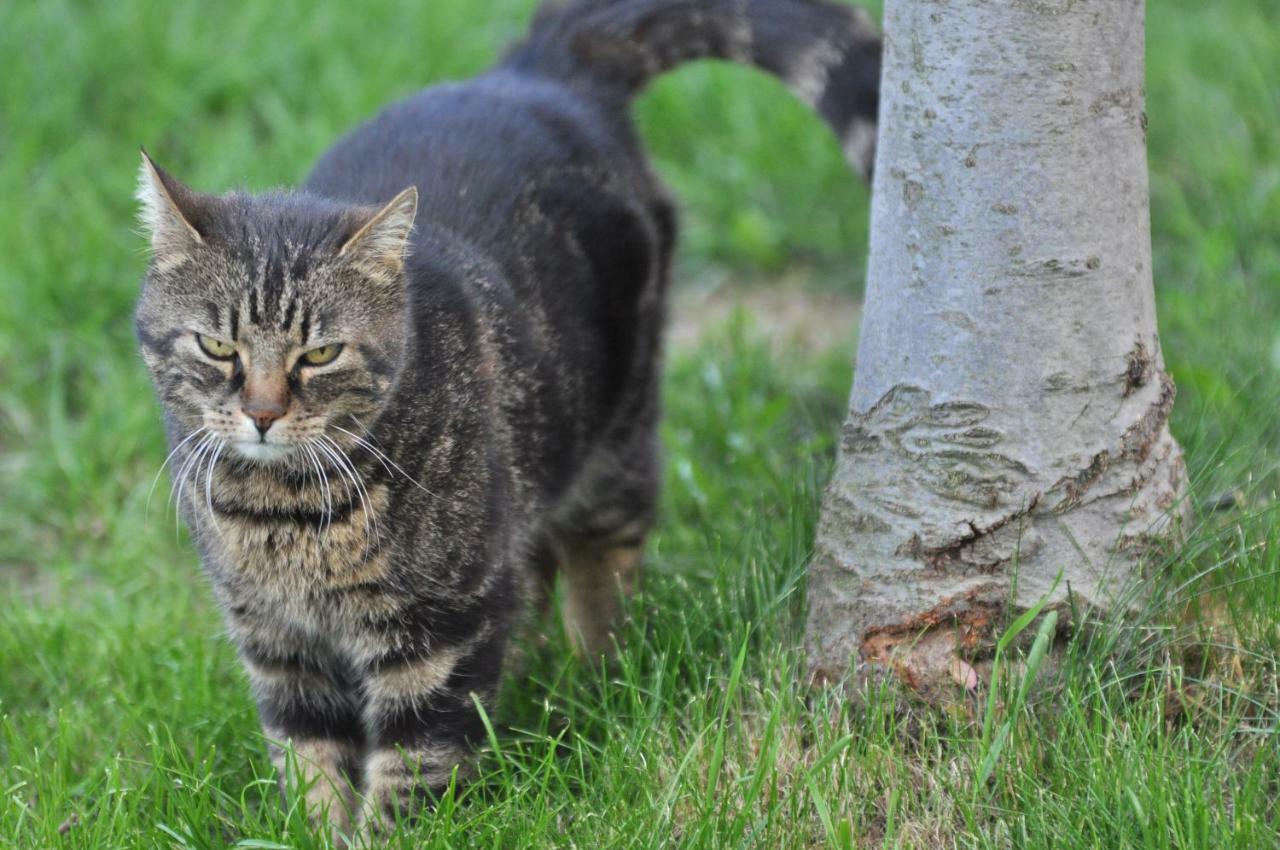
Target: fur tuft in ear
{"x":381,"y":242}
{"x":166,"y":213}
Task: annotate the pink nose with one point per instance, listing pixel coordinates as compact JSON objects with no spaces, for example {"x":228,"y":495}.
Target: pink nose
{"x":263,"y":416}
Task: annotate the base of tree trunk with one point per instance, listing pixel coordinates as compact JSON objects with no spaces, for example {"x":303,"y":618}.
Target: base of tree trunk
{"x":916,"y":584}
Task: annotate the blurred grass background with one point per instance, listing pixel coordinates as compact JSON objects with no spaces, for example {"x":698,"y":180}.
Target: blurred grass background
{"x":124,"y":721}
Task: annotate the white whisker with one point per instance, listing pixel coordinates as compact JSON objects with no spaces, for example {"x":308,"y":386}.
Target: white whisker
{"x":320,"y":482}
{"x":327,"y":453}
{"x":323,"y":479}
{"x":193,"y":454}
{"x":366,"y":501}
{"x":146,"y":513}
{"x":382,"y":457}
{"x":365,"y":444}
{"x":192,"y":463}
{"x":343,"y":466}
{"x":208,"y":485}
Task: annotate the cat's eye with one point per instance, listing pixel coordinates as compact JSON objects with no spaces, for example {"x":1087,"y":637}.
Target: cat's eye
{"x":322,"y":355}
{"x":216,"y":348}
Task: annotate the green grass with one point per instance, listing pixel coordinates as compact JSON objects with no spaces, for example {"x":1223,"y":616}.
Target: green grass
{"x":125,"y":721}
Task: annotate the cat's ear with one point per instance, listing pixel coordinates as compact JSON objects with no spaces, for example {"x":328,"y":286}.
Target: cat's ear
{"x":379,"y":244}
{"x":168,"y":213}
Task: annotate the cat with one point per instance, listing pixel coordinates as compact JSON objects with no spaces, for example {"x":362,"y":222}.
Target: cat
{"x":404,"y":397}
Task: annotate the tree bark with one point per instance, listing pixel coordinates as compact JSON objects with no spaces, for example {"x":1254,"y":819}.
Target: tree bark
{"x":1009,"y":408}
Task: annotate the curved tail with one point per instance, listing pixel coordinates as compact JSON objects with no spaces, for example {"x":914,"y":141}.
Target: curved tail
{"x":827,"y":52}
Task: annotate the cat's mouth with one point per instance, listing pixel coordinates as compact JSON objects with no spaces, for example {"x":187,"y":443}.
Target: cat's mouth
{"x":263,"y":452}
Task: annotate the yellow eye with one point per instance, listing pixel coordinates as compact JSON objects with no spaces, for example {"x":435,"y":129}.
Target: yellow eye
{"x":216,"y":348}
{"x":322,"y":355}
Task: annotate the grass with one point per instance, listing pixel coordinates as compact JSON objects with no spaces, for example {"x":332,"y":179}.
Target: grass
{"x":125,"y":721}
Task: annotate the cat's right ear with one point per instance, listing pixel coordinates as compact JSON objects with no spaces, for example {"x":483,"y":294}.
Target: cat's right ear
{"x":168,"y":214}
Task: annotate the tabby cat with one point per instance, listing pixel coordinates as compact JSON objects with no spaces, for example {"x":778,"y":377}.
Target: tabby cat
{"x":403,"y":397}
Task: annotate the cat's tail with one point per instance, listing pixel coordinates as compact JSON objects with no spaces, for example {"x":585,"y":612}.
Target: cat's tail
{"x":826,"y":51}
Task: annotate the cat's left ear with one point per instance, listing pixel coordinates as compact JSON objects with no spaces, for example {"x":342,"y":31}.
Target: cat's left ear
{"x":381,"y":242}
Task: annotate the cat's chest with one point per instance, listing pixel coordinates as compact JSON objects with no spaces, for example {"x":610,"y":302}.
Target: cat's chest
{"x":300,"y":545}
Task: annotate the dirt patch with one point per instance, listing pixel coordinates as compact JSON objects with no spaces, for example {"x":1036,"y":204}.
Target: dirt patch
{"x":793,"y":317}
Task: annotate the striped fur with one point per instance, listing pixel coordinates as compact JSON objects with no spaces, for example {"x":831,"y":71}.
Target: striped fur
{"x":826,"y":53}
{"x":492,"y":257}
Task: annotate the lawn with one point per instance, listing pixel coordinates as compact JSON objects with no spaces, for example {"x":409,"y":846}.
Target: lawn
{"x":126,"y":722}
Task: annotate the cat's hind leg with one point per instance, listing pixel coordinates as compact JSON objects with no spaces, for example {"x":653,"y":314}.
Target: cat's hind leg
{"x":600,"y":574}
{"x":599,"y":541}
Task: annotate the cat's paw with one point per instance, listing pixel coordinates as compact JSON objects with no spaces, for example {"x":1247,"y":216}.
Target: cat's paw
{"x":373,"y":824}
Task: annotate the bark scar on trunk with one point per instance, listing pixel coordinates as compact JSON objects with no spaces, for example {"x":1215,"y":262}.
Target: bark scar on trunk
{"x":1138,"y":369}
{"x":1136,"y":444}
{"x":920,"y":650}
{"x":973,"y":611}
{"x":979,"y":546}
{"x":945,"y":449}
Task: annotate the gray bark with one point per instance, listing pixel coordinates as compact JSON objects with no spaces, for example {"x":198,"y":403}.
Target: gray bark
{"x":1009,"y":408}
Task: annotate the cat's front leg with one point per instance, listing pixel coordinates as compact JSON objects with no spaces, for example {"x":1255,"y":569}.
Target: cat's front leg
{"x":422,"y":718}
{"x":311,"y":716}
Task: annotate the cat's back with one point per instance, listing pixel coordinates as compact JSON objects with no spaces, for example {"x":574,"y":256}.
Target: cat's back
{"x":563,"y":235}
{"x":474,"y":147}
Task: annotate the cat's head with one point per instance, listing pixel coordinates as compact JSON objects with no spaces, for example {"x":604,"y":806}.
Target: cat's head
{"x":272,"y":321}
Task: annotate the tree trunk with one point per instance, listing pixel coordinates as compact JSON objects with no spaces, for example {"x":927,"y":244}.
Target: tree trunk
{"x":1009,"y":409}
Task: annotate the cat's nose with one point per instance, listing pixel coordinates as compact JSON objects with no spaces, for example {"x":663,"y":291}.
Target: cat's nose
{"x":263,"y":415}
{"x":265,"y":399}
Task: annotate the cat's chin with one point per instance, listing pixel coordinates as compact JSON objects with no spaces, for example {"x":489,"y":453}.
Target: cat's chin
{"x":263,"y":452}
